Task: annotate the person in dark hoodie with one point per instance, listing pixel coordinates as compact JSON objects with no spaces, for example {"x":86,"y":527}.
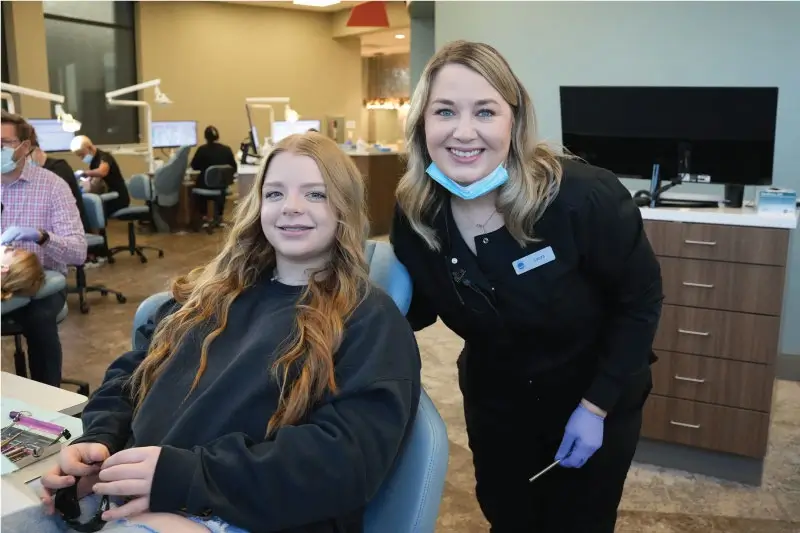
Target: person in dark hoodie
{"x":278,"y":386}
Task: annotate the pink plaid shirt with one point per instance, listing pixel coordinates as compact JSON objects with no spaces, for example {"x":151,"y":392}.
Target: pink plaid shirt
{"x":40,"y":199}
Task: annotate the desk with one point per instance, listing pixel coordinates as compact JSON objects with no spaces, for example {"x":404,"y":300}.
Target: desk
{"x":723,"y":272}
{"x":245,"y":177}
{"x":41,"y":395}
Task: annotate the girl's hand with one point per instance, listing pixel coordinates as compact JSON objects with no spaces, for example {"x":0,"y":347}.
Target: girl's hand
{"x":76,"y":460}
{"x":128,"y":473}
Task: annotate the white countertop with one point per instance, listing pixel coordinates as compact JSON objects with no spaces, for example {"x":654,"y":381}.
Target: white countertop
{"x":745,"y":216}
{"x":44,"y":396}
{"x":247,"y":169}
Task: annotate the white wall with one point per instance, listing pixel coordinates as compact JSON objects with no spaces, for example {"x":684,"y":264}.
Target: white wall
{"x":550,"y":44}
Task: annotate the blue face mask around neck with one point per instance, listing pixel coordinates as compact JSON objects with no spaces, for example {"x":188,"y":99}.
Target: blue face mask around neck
{"x":7,"y":163}
{"x":474,"y":190}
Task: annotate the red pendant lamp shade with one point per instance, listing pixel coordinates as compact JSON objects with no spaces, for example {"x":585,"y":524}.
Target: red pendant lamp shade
{"x":370,"y":14}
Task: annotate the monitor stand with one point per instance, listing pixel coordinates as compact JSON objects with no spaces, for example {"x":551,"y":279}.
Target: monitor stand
{"x":734,"y":195}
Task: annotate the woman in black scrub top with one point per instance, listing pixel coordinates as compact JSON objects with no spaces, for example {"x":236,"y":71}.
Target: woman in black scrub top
{"x":541,"y":264}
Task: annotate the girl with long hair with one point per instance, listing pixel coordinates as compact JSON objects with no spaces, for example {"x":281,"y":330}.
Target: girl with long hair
{"x":541,"y":264}
{"x":278,"y":385}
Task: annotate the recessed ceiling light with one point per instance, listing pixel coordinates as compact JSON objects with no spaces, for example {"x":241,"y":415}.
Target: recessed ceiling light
{"x":399,"y":36}
{"x":316,"y":3}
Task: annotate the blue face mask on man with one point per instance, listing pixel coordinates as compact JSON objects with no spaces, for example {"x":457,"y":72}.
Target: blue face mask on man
{"x":474,"y":190}
{"x":88,"y":159}
{"x":7,"y":163}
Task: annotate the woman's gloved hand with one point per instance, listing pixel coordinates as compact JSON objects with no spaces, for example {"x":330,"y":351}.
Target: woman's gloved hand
{"x":582,"y":437}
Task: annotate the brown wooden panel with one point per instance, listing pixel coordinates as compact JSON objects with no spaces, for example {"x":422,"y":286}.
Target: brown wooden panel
{"x":745,"y":337}
{"x":701,"y":425}
{"x":727,"y":286}
{"x":736,"y":244}
{"x":664,"y":237}
{"x":717,"y":381}
{"x":382,"y":173}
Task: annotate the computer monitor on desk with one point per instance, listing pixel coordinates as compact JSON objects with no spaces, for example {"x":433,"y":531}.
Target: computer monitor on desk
{"x":282,"y":129}
{"x":675,"y":135}
{"x":174,"y":133}
{"x":51,"y":136}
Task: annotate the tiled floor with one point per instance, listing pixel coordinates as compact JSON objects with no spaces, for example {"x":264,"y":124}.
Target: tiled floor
{"x":655,"y":501}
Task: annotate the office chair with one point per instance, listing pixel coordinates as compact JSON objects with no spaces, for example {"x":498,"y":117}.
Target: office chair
{"x":139,"y":188}
{"x":54,"y":282}
{"x":217,"y":178}
{"x":408,"y":501}
{"x":97,"y":221}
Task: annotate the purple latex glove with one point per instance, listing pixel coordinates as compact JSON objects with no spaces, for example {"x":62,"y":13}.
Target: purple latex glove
{"x":583,"y":437}
{"x":17,"y":233}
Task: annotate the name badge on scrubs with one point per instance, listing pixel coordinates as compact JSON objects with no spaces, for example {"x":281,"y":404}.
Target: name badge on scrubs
{"x":534,"y":260}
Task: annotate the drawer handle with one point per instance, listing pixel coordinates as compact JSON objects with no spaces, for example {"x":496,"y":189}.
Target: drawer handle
{"x":690,"y":332}
{"x":701,"y":243}
{"x":690,"y":380}
{"x":700,"y":285}
{"x":684,"y":425}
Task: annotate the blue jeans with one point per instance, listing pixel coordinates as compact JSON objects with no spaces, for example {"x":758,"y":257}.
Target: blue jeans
{"x":33,"y":519}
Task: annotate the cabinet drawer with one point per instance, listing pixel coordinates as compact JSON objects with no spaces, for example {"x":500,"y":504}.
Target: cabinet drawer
{"x":716,"y":381}
{"x":701,"y":425}
{"x":725,"y":334}
{"x":727,"y":286}
{"x":736,"y":244}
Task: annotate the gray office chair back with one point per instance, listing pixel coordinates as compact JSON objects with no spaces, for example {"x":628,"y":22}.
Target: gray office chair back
{"x":219,"y":176}
{"x":139,"y":187}
{"x":168,"y":179}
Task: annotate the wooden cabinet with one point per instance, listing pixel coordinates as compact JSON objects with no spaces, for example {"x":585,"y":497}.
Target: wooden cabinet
{"x":717,"y":340}
{"x":382,"y":173}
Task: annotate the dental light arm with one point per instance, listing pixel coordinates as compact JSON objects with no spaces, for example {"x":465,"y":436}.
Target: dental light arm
{"x":10,"y":99}
{"x":289,"y":114}
{"x":68,"y":122}
{"x":160,"y":98}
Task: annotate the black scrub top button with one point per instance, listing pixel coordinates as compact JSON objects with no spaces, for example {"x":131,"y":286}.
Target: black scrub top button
{"x":486,"y":240}
{"x":454,"y":260}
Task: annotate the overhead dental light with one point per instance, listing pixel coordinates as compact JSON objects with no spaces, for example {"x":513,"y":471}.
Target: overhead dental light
{"x":290,"y":114}
{"x":316,"y":3}
{"x":160,"y":98}
{"x":68,"y":122}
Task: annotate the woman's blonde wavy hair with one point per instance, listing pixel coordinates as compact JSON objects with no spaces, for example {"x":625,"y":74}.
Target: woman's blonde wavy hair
{"x":305,"y":368}
{"x":533,"y":167}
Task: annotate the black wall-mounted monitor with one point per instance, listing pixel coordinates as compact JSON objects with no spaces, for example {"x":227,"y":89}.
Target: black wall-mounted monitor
{"x":722,"y":135}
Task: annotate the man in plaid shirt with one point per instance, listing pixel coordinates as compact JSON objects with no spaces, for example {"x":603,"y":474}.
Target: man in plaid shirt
{"x":38,"y":214}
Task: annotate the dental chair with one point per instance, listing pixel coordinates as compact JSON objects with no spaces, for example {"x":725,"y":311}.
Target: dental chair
{"x":54,"y":282}
{"x":167,"y":184}
{"x":408,"y":501}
